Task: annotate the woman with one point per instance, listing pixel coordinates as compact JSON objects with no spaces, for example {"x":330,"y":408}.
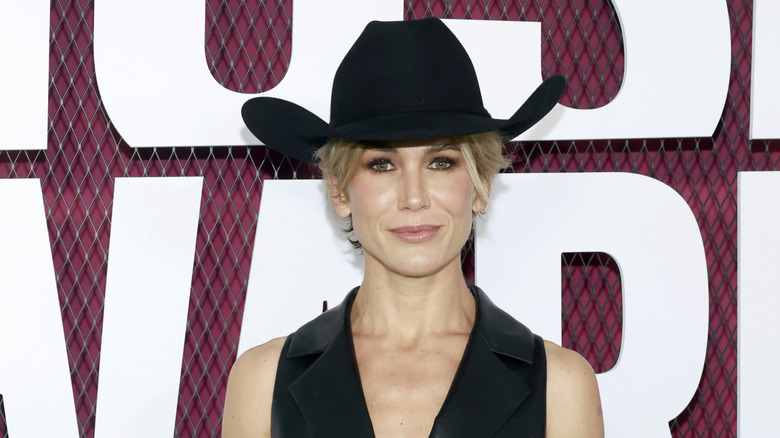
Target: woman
{"x":413,"y":351}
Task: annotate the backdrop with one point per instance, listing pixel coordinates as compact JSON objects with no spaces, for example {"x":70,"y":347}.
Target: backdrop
{"x":247,"y":46}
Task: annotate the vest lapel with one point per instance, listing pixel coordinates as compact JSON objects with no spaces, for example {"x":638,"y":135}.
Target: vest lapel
{"x":486,"y":392}
{"x":483,"y":396}
{"x":329,"y":393}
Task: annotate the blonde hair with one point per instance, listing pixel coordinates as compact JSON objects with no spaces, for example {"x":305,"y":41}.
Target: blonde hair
{"x":339,"y":158}
{"x":482,"y":155}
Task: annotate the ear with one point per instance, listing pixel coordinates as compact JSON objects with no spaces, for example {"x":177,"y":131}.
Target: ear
{"x":478,"y":204}
{"x":338,"y":199}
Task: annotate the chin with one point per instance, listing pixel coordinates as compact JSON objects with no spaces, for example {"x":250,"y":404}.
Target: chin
{"x":420,"y":265}
{"x":414,"y":260}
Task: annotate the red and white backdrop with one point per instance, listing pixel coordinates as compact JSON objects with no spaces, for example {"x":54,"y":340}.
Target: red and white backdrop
{"x":248,"y":48}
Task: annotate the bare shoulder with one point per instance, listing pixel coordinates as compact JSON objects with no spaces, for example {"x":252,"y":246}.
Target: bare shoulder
{"x":250,"y":392}
{"x":573,"y":401}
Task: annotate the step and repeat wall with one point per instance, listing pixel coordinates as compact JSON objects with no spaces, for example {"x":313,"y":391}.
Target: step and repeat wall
{"x":93,"y":144}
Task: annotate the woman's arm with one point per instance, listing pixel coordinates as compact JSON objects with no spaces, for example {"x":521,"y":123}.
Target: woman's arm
{"x":573,"y":402}
{"x":250,"y":392}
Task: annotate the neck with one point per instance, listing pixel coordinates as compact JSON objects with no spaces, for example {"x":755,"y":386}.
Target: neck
{"x":409,"y":308}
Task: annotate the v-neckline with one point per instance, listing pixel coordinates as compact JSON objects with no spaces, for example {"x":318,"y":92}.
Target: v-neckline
{"x":457,"y":377}
{"x":491,"y":382}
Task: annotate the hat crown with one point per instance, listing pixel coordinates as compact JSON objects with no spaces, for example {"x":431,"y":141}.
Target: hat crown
{"x":404,"y":67}
{"x":400,"y":80}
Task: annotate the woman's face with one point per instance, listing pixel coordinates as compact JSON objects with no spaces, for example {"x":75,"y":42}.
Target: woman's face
{"x":411,"y":205}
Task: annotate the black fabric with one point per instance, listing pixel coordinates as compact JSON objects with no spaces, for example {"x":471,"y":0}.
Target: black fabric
{"x":499,"y":389}
{"x":400,"y":80}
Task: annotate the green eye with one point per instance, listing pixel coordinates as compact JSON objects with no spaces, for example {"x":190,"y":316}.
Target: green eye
{"x":380,"y":165}
{"x":441,"y":164}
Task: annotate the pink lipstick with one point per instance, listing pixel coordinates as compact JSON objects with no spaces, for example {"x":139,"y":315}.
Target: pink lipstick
{"x":416,"y":233}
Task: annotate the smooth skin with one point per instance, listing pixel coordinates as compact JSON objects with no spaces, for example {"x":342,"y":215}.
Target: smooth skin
{"x":411,"y":207}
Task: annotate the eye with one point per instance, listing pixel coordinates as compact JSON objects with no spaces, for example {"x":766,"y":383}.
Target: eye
{"x":441,"y":163}
{"x":381,"y":165}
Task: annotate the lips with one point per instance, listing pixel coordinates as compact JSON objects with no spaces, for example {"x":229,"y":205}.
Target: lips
{"x":416,"y":233}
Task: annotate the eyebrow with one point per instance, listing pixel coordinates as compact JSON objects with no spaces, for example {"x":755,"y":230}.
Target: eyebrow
{"x":430,"y":150}
{"x":443,"y":147}
{"x":382,"y":148}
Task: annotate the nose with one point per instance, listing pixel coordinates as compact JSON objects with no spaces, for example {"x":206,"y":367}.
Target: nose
{"x":413,"y":194}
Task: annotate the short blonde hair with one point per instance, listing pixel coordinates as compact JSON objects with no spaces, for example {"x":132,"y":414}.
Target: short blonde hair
{"x":482,"y":156}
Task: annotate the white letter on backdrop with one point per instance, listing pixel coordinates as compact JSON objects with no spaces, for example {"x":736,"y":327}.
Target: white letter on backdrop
{"x":653,"y":236}
{"x":759,"y":240}
{"x":159,"y":92}
{"x":153,"y":234}
{"x":34,"y":372}
{"x":24,"y":74}
{"x":765,"y":89}
{"x":301,"y":258}
{"x":677,"y":66}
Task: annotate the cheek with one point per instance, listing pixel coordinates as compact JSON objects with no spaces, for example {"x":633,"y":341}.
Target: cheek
{"x":367,"y":202}
{"x":460,"y":196}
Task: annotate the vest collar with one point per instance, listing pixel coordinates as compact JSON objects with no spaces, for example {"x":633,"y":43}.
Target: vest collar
{"x":484,"y":394}
{"x":502,"y":333}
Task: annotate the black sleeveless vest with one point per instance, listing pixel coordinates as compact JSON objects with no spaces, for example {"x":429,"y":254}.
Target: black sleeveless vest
{"x":499,"y":389}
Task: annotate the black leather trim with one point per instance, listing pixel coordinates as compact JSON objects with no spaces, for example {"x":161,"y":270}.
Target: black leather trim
{"x":492,"y":382}
{"x":503,"y":334}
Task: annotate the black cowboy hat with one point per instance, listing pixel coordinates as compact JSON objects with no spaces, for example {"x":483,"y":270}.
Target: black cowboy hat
{"x":400,"y":80}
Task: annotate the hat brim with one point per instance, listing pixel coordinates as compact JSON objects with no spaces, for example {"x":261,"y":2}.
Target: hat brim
{"x":297,"y":132}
